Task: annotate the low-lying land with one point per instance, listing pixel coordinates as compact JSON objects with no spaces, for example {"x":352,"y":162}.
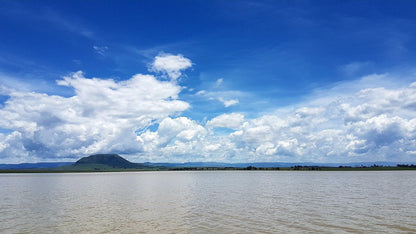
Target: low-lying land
{"x":115,"y":163}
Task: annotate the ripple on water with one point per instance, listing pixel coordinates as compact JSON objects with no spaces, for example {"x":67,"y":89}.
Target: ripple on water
{"x":209,"y":202}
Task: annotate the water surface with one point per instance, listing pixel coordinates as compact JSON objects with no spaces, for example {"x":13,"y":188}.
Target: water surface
{"x":209,"y":202}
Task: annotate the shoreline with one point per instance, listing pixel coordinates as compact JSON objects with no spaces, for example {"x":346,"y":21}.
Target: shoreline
{"x":296,"y":168}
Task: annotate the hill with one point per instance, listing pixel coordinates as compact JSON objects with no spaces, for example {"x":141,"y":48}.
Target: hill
{"x":112,"y":160}
{"x":104,"y":162}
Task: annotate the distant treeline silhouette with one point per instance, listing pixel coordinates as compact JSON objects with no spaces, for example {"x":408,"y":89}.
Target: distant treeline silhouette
{"x":306,"y":168}
{"x":406,"y":165}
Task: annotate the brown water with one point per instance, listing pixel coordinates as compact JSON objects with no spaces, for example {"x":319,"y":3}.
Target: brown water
{"x":209,"y":202}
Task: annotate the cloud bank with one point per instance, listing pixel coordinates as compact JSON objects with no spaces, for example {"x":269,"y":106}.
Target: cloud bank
{"x":141,"y":119}
{"x":368,"y":125}
{"x":102,"y":117}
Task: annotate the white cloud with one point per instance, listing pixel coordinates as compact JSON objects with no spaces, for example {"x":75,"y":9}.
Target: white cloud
{"x":363,"y":123}
{"x":179,"y":136}
{"x":216,"y":92}
{"x":232,"y":121}
{"x":140,"y":118}
{"x":182,"y":129}
{"x":368,"y":125}
{"x":201,"y":92}
{"x":172,"y":65}
{"x":225,"y":97}
{"x":101,"y":117}
{"x":228,"y":103}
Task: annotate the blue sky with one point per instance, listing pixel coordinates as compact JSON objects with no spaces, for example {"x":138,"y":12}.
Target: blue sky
{"x":232,"y":81}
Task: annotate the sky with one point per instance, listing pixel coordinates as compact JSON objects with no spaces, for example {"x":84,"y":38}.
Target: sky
{"x":224,"y":81}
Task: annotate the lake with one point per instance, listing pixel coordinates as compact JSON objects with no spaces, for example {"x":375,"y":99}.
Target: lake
{"x":209,"y":202}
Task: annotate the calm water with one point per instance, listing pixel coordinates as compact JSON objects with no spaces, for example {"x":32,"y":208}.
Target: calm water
{"x":209,"y":202}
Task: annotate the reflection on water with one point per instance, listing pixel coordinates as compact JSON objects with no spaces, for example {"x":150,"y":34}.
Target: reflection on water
{"x":213,"y":201}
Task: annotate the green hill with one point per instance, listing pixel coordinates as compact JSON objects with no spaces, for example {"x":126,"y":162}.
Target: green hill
{"x":105,"y":162}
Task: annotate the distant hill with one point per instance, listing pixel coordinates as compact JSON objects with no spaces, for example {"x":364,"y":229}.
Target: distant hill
{"x":104,"y":162}
{"x":114,"y":162}
{"x":39,"y":165}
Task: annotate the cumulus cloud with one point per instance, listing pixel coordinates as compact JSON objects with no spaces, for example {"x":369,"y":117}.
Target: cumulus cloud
{"x":369,"y":125}
{"x":102,"y":116}
{"x":140,"y":118}
{"x":232,"y":121}
{"x":174,"y":137}
{"x":172,"y":130}
{"x":372,"y":124}
{"x":169,"y":64}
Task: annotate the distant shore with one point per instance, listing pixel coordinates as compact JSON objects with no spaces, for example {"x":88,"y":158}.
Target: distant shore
{"x":250,"y":168}
{"x":116,"y":163}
